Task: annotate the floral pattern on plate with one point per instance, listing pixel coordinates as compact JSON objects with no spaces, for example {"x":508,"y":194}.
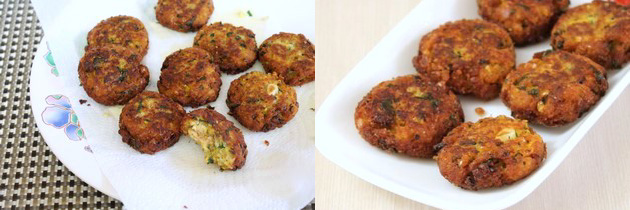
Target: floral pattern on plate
{"x":49,"y":60}
{"x":60,"y":115}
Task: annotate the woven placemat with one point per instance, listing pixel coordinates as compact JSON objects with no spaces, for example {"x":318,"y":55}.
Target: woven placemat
{"x":32,"y":177}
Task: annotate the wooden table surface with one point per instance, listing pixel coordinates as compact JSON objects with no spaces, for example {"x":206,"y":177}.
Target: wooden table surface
{"x":594,"y":176}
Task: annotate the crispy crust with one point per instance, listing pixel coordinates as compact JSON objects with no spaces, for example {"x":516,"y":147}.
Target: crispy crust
{"x":232,"y":48}
{"x":188,"y":77}
{"x":554,"y":88}
{"x":470,"y":56}
{"x":184,"y":15}
{"x":230,"y":133}
{"x":292,"y":56}
{"x":261,"y":101}
{"x":490,"y":153}
{"x":112,"y":74}
{"x":408,"y":115}
{"x":125,"y":31}
{"x":527,"y":21}
{"x":150,"y":122}
{"x":599,"y":30}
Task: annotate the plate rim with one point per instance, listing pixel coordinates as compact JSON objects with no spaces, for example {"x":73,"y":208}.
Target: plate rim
{"x":99,"y":183}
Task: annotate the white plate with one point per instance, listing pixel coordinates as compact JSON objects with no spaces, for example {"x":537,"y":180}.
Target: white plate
{"x":279,"y":176}
{"x":419,"y":179}
{"x":54,"y":117}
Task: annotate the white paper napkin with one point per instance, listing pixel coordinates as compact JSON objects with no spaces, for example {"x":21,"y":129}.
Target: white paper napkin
{"x":277,"y":176}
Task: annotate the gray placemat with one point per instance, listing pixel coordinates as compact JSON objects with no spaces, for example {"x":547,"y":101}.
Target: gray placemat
{"x":32,"y":177}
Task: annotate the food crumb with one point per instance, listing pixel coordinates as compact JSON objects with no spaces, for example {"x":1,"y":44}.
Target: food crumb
{"x":266,"y":143}
{"x":89,"y":104}
{"x":480,"y":111}
{"x":185,"y":206}
{"x":210,"y":107}
{"x":312,"y":109}
{"x":82,"y":101}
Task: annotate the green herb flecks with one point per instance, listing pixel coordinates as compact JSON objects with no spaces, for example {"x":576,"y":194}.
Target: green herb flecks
{"x":592,"y":19}
{"x":253,"y":100}
{"x":231,"y":104}
{"x":388,"y":105}
{"x":533,"y":92}
{"x":598,"y":75}
{"x":615,"y":64}
{"x":467,"y":142}
{"x":501,"y":45}
{"x":229,"y":34}
{"x":610,"y":46}
{"x":98,"y":60}
{"x":434,"y":102}
{"x":519,"y":80}
{"x":546,"y":53}
{"x":139,"y":106}
{"x":123,"y":74}
{"x":201,"y":119}
{"x":458,"y":54}
{"x":291,"y":73}
{"x":453,"y":119}
{"x":249,"y":13}
{"x":558,"y":32}
{"x":560,"y":44}
{"x":523,"y":6}
{"x":426,"y":96}
{"x":189,"y":23}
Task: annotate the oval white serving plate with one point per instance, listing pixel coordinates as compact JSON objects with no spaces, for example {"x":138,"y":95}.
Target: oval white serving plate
{"x":58,"y":123}
{"x":419,"y":179}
